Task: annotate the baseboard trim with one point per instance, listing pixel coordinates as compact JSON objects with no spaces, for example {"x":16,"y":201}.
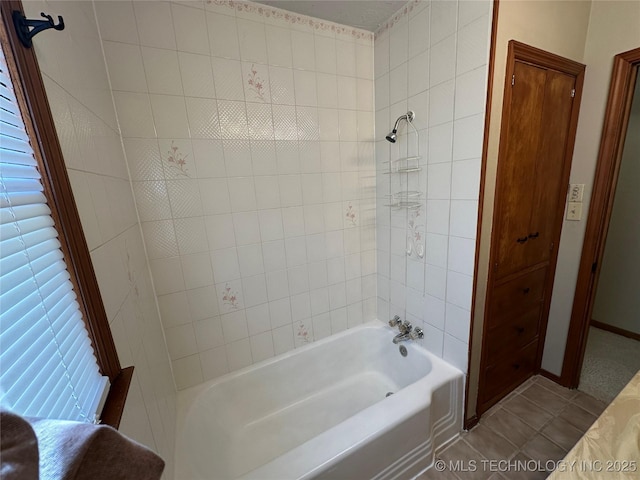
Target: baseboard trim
{"x":616,"y":330}
{"x":469,"y":423}
{"x":552,"y":376}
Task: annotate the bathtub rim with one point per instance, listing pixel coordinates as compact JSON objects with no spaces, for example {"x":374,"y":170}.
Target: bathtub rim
{"x":189,"y":394}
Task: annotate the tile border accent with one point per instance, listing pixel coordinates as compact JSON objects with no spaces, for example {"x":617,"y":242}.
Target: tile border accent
{"x":293,"y":18}
{"x":407,"y":9}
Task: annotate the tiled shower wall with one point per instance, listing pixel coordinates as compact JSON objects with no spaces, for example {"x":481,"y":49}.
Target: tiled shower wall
{"x":431,"y":57}
{"x":249,"y":136}
{"x":77,"y":87}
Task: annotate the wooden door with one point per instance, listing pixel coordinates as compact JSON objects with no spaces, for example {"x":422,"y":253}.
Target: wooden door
{"x":517,"y":170}
{"x":549,"y":192}
{"x":531,"y":173}
{"x":540,"y":114}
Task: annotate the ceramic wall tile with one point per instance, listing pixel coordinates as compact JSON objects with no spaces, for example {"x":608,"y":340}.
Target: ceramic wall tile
{"x":190,"y":29}
{"x":399,"y":43}
{"x":441,"y":48}
{"x":280,"y":312}
{"x":117,"y":21}
{"x":213,"y":363}
{"x":456,"y":352}
{"x":279,"y":48}
{"x":470,"y":93}
{"x":202,"y":303}
{"x":325,"y":54}
{"x":155,"y":24}
{"x":303,"y":49}
{"x":419,"y":32}
{"x":250,"y":189}
{"x":283,"y":339}
{"x":472,"y":43}
{"x":252,"y":39}
{"x":223,"y":36}
{"x":457,"y":322}
{"x":126,"y":70}
{"x":78,"y":89}
{"x":188,"y":371}
{"x":197,"y":75}
{"x":134,"y":114}
{"x":442,"y":57}
{"x":443,"y":19}
{"x":162,"y":71}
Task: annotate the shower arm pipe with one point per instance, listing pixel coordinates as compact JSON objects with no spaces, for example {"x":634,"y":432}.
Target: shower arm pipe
{"x":409,"y":116}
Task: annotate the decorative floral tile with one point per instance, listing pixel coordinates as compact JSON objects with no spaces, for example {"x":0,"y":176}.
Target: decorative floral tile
{"x":255,"y":78}
{"x":177,"y":158}
{"x":131,"y":273}
{"x":302,"y":333}
{"x":230,"y":296}
{"x":351,"y":215}
{"x":415,"y":233}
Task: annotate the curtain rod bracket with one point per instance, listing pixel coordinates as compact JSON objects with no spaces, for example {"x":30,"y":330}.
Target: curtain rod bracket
{"x":22,"y":24}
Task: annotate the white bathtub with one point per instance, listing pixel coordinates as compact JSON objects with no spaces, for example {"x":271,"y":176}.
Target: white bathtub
{"x":321,"y":411}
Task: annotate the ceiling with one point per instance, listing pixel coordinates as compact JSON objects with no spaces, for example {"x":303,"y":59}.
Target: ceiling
{"x":365,"y":14}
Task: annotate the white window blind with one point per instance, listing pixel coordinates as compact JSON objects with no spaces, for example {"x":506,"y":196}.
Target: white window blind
{"x":47,"y":365}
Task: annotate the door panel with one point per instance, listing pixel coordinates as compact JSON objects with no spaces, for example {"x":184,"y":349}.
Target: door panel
{"x":549,"y":165}
{"x":515,"y":172}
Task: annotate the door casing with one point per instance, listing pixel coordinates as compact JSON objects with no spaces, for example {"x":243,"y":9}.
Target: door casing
{"x":625,"y":71}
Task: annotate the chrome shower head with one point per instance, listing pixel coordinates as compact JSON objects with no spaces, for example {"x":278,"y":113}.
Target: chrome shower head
{"x":409,"y":116}
{"x":392,"y":137}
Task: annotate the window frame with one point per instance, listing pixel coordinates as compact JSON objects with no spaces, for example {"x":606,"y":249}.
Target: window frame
{"x":34,"y":105}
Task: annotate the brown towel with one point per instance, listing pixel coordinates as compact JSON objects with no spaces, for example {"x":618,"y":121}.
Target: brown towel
{"x":18,"y":448}
{"x":81,"y":451}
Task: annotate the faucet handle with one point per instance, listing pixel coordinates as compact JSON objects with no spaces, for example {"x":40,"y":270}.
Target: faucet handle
{"x":395,"y":321}
{"x":406,"y":327}
{"x":417,"y":333}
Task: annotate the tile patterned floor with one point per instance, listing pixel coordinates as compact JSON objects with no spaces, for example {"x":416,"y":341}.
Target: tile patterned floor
{"x":539,"y":421}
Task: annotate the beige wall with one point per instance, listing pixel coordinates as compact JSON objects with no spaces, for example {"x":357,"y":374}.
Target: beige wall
{"x":558,"y":27}
{"x":613,"y":28}
{"x":617,"y":302}
{"x":591,"y":33}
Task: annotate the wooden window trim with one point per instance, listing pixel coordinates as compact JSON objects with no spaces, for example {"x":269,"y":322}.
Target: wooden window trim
{"x":31,"y":94}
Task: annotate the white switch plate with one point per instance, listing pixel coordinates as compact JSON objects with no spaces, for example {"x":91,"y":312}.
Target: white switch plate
{"x":576,"y":190}
{"x":574,"y":211}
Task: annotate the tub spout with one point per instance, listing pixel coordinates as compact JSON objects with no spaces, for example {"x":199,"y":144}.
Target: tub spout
{"x":410,"y":335}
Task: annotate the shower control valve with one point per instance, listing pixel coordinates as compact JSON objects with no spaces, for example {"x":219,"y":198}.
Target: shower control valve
{"x":395,"y":321}
{"x":406,"y":327}
{"x":417,"y":333}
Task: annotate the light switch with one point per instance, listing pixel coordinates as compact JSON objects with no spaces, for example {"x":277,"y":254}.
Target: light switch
{"x":576,"y":190}
{"x":574,"y":211}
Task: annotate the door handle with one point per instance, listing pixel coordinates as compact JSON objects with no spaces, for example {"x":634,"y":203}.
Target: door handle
{"x":526,"y":290}
{"x":516,"y":366}
{"x":534,"y":235}
{"x":522,"y":240}
{"x":519,"y":329}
